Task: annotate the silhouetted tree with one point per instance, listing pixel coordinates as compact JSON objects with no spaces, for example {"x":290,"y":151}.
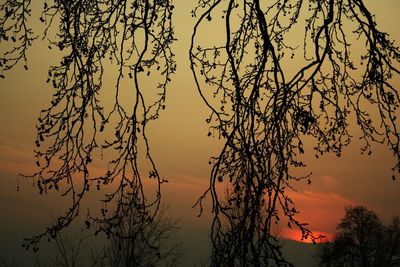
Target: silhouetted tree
{"x":362,"y":241}
{"x":265,"y":105}
{"x":4,"y":263}
{"x":393,"y":250}
{"x":155,"y":245}
{"x":131,"y":38}
{"x":134,"y":243}
{"x":68,"y":250}
{"x":268,"y":90}
{"x":71,"y":249}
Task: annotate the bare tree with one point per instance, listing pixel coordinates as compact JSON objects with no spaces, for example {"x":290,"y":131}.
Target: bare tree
{"x":362,"y":240}
{"x":134,"y":243}
{"x":363,"y":228}
{"x":155,"y":245}
{"x":70,"y":249}
{"x":67,"y":250}
{"x":4,"y":263}
{"x":264,"y":110}
{"x":393,"y":242}
{"x":264,"y":105}
{"x":132,"y":37}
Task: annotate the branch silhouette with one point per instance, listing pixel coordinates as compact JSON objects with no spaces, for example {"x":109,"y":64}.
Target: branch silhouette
{"x":264,"y":105}
{"x":131,"y":37}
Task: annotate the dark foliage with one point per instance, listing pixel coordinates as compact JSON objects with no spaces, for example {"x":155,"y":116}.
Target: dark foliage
{"x":362,"y":240}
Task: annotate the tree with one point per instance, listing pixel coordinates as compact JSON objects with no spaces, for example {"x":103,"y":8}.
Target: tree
{"x":362,"y":241}
{"x":132,"y":37}
{"x":264,"y":105}
{"x":263,"y":110}
{"x":71,"y":250}
{"x":155,"y":245}
{"x":394,"y":242}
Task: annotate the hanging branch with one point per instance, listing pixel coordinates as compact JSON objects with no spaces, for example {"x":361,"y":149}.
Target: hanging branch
{"x":15,"y":30}
{"x":132,"y":37}
{"x":264,"y":104}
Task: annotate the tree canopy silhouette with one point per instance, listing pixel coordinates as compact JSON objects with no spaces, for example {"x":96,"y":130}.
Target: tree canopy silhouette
{"x":265,"y":105}
{"x":131,"y":37}
{"x":268,"y":91}
{"x":362,"y":240}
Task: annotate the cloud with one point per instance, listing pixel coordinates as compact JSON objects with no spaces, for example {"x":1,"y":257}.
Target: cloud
{"x":16,"y":158}
{"x":328,"y":182}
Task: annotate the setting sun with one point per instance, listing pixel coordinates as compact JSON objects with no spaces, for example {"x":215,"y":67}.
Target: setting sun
{"x":198,"y":132}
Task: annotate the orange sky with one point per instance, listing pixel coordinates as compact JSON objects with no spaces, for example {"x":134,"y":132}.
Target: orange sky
{"x":181,"y":147}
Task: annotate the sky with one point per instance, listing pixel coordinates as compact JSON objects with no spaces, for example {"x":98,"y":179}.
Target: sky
{"x":182,"y":149}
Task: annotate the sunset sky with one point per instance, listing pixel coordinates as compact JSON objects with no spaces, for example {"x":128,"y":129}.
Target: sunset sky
{"x":182,"y":149}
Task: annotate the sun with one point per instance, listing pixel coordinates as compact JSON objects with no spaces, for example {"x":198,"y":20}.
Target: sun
{"x":296,"y":235}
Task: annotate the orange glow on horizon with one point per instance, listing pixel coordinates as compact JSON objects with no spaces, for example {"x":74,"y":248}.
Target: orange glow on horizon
{"x":296,"y":235}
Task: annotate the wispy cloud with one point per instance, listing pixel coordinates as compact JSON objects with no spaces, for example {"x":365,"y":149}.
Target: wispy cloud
{"x":321,"y":210}
{"x":16,"y":158}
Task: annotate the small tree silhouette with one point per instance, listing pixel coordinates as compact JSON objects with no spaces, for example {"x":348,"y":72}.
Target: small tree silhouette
{"x":155,"y":244}
{"x":362,"y":241}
